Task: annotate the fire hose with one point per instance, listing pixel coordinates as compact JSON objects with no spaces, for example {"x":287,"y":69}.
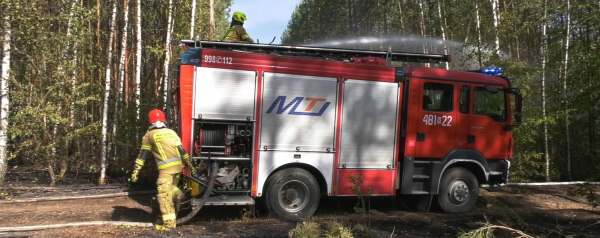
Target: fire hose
{"x":198,"y":205}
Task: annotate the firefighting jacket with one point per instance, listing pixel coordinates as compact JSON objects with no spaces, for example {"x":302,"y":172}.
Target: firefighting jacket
{"x":165,"y":146}
{"x":237,"y":33}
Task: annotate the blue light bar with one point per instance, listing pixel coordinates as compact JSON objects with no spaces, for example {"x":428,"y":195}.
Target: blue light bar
{"x":491,"y":71}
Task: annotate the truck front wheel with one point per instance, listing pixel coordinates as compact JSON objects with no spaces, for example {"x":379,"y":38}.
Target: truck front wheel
{"x":459,"y":190}
{"x":292,"y":193}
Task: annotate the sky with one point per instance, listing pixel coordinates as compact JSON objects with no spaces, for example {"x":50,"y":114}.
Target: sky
{"x":265,"y":18}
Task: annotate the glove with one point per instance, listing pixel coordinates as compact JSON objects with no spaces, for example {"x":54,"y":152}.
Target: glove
{"x":190,"y":168}
{"x":134,"y":175}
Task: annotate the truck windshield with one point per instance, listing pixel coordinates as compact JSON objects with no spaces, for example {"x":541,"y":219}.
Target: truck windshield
{"x":489,"y":104}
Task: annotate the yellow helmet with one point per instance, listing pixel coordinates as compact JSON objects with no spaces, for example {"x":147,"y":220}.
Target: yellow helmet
{"x":239,"y":16}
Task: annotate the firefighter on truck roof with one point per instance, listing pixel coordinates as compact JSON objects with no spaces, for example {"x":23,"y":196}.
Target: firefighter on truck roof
{"x":236,"y":32}
{"x":165,"y":146}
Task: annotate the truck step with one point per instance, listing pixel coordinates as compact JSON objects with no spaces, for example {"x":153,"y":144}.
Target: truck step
{"x":226,"y":200}
{"x":420,"y":176}
{"x":419,"y":192}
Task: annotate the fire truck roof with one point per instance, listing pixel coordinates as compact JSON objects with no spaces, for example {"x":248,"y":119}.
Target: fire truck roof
{"x":436,"y":73}
{"x":320,"y":51}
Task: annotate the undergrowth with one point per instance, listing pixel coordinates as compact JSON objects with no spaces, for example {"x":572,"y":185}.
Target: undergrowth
{"x":586,"y":190}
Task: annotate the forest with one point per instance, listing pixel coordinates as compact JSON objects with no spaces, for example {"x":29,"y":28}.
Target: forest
{"x":79,"y":76}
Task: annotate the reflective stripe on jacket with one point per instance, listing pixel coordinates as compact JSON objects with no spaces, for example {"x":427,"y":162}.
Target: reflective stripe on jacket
{"x":163,"y":143}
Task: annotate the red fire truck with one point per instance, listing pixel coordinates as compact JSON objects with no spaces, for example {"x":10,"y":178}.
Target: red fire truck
{"x":289,"y":125}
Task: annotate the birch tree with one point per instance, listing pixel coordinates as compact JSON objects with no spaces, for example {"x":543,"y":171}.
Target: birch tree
{"x":104,"y":153}
{"x":4,"y":101}
{"x":193,"y":21}
{"x":478,"y":33}
{"x":496,"y":15}
{"x":544,"y":54}
{"x":565,"y":91}
{"x":442,"y":30}
{"x":212,"y":19}
{"x":73,"y":66}
{"x":167,"y":52}
{"x":119,"y":92}
{"x":422,"y":25}
{"x":138,"y":64}
{"x":401,"y":17}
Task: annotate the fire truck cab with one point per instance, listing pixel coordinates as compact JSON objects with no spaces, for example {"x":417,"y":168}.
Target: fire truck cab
{"x":290,"y":124}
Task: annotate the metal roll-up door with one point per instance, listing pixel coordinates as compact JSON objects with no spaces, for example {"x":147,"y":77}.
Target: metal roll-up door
{"x":224,"y":94}
{"x":369,"y":124}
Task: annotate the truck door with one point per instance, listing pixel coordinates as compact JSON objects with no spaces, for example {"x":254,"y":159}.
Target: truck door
{"x":487,"y":120}
{"x":437,"y":118}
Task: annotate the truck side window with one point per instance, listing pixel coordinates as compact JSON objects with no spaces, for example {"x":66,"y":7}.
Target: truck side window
{"x":492,"y":105}
{"x":438,"y":97}
{"x":463,"y":105}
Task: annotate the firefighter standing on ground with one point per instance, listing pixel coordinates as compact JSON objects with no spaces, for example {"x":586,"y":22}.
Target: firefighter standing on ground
{"x":164,"y":144}
{"x":236,"y":32}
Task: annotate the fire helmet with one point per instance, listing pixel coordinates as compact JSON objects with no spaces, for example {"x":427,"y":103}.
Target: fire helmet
{"x":156,"y":115}
{"x":239,"y":16}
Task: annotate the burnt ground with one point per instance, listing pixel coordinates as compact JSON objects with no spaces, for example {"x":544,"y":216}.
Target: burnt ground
{"x":541,"y":211}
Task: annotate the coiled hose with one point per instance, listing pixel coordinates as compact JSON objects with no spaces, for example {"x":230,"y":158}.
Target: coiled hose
{"x":211,"y":183}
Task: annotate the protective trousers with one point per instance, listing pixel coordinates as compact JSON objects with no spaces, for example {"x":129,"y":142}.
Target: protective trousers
{"x":167,"y":193}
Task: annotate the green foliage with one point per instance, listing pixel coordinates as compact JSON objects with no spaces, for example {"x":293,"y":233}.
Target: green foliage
{"x":588,"y":191}
{"x":337,"y":230}
{"x":306,"y":230}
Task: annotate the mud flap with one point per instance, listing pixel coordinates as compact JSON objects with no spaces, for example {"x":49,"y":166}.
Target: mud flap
{"x":425,"y":203}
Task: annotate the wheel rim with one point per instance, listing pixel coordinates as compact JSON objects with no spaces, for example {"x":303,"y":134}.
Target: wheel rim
{"x":458,"y":192}
{"x":293,"y":196}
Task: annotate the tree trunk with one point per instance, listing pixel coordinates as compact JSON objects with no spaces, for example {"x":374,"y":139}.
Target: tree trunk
{"x":496,"y":15}
{"x":74,"y":66}
{"x":138,"y":64}
{"x":401,"y":17}
{"x":442,"y":30}
{"x":4,"y":101}
{"x":544,"y":49}
{"x":167,"y":52}
{"x":102,"y":180}
{"x":565,"y":91}
{"x":478,"y":34}
{"x":120,"y":81}
{"x":212,"y":19}
{"x":515,"y":30}
{"x":98,"y":23}
{"x":422,"y":25}
{"x":193,"y":21}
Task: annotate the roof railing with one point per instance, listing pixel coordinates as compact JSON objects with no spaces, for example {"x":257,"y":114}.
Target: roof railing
{"x":320,"y":52}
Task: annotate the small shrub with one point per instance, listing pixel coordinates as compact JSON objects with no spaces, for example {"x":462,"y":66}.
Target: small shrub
{"x":361,"y":206}
{"x":6,"y":196}
{"x":337,"y":230}
{"x":586,"y":190}
{"x":306,"y":230}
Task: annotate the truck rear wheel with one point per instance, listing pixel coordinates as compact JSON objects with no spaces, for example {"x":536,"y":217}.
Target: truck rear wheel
{"x":459,"y":190}
{"x":292,"y":193}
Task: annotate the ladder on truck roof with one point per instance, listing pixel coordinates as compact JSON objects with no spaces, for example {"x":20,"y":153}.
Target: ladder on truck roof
{"x":333,"y":53}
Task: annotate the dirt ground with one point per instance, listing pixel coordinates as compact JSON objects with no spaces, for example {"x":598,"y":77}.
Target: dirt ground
{"x":540,"y":211}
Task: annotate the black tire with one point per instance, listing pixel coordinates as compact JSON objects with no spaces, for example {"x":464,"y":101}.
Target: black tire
{"x":292,"y":193}
{"x":459,"y":190}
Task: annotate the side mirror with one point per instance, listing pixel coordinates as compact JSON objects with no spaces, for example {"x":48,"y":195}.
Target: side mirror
{"x":491,"y":89}
{"x":519,"y":107}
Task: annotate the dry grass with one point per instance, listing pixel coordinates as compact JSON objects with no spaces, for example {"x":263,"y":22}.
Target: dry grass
{"x":306,"y":230}
{"x":337,"y":230}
